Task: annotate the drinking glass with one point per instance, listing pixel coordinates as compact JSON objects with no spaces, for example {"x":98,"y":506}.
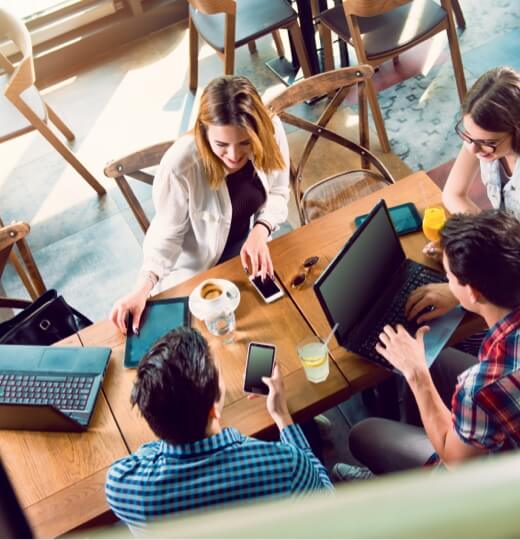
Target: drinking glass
{"x":314,"y":356}
{"x":433,"y":221}
{"x":222,"y":323}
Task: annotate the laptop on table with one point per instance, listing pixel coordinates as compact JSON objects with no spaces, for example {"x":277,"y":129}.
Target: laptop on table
{"x":367,"y":285}
{"x":50,"y":388}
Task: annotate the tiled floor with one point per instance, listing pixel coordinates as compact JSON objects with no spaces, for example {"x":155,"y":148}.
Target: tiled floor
{"x":89,"y":248}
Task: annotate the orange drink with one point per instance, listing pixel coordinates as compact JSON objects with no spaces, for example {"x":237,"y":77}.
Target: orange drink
{"x":433,"y":221}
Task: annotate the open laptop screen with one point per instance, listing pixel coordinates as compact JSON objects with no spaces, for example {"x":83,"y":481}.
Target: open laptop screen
{"x":360,"y":271}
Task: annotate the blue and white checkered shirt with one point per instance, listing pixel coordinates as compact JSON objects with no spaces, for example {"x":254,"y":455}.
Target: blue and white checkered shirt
{"x":161,"y":478}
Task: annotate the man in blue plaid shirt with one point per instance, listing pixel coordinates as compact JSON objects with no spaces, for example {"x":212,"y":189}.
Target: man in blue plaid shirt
{"x":197,"y":464}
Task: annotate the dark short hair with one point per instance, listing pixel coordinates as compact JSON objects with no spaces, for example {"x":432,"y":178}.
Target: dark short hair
{"x":493,"y":103}
{"x":176,"y":386}
{"x":483,"y":250}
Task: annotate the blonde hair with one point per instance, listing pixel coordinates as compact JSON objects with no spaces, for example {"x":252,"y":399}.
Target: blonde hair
{"x":233,"y":100}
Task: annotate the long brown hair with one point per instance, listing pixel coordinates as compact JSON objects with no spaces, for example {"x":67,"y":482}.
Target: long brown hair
{"x":233,"y":100}
{"x":493,"y":103}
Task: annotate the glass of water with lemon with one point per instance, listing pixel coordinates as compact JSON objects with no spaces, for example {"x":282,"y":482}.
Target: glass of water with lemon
{"x":314,"y":356}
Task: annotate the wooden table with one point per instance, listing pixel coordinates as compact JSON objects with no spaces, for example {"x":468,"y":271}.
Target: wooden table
{"x":325,"y":237}
{"x":59,"y":477}
{"x":279,"y":323}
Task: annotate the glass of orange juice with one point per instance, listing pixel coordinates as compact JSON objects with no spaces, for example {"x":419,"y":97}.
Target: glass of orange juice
{"x":433,"y":221}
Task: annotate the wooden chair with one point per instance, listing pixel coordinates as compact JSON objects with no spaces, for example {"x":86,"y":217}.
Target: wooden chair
{"x":134,"y":165}
{"x":339,"y":188}
{"x":228,"y":24}
{"x":380,"y":30}
{"x":22,"y":108}
{"x":10,"y":236}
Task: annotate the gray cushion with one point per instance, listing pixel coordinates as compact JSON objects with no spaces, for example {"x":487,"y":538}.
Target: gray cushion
{"x":254,"y":19}
{"x":385,"y":33}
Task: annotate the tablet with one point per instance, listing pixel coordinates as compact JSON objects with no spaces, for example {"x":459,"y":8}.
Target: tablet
{"x":159,"y":317}
{"x":405,"y":217}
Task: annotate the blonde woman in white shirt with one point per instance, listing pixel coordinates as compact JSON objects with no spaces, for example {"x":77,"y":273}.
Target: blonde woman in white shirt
{"x":220,"y":191}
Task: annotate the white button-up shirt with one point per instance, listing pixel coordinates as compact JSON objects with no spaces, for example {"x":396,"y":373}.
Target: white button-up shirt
{"x":191,"y":224}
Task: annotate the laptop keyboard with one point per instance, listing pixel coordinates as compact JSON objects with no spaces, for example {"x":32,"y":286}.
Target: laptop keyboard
{"x":417,"y":276}
{"x":65,"y":392}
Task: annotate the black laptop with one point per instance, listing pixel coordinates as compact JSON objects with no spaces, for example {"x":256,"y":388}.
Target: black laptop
{"x":50,"y":388}
{"x":366,"y":287}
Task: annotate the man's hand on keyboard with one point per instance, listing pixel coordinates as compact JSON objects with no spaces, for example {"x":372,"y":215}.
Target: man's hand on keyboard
{"x":429,"y":302}
{"x":404,"y":352}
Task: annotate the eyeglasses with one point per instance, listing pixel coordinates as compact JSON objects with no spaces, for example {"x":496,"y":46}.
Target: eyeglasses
{"x":489,"y":147}
{"x":300,"y":278}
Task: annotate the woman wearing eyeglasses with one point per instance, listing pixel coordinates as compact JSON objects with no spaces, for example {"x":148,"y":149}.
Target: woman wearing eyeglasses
{"x":490,"y":129}
{"x":220,"y":191}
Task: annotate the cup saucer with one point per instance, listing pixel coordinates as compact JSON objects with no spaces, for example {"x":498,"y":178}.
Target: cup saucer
{"x":201,"y":308}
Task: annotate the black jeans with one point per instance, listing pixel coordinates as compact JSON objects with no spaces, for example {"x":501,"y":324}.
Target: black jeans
{"x":386,"y":446}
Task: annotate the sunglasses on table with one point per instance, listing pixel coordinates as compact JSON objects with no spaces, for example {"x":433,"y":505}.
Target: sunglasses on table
{"x":308,"y":263}
{"x":488,"y":146}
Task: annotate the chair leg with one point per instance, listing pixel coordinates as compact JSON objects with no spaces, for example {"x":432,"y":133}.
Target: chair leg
{"x":280,"y":49}
{"x":58,"y":145}
{"x":252,"y":47}
{"x":229,"y":60}
{"x":133,"y":202}
{"x":30,"y":264}
{"x":194,"y":55}
{"x":328,"y":53}
{"x":378,"y":117}
{"x":59,"y":123}
{"x":296,"y":35}
{"x":456,"y":59}
{"x":229,"y":44}
{"x":20,"y":270}
{"x":459,"y":15}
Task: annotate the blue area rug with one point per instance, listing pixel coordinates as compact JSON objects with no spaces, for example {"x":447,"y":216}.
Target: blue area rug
{"x":501,"y":51}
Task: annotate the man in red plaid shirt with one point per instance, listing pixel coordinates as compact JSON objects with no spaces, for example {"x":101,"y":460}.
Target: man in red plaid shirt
{"x":467,"y":406}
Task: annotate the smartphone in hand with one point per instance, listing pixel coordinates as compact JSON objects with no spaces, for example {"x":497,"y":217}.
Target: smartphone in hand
{"x":259,"y":363}
{"x":268,"y":289}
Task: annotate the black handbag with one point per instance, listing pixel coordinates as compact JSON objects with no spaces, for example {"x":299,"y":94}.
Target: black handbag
{"x":47,"y":320}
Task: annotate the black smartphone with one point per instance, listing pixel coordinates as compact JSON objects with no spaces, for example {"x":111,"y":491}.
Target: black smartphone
{"x":405,"y":217}
{"x":268,"y":289}
{"x":260,"y":363}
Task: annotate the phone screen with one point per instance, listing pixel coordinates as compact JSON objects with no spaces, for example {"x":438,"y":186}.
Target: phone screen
{"x":260,"y":362}
{"x":267,"y":287}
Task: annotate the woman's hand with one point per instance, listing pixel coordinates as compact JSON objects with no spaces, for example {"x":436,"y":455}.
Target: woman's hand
{"x":436,"y":296}
{"x":433,"y":251}
{"x":132,"y":303}
{"x":255,"y":255}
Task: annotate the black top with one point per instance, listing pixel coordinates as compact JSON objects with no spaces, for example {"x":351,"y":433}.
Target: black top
{"x":247,"y":195}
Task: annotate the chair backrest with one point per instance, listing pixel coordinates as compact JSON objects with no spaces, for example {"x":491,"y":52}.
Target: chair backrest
{"x":23,"y":75}
{"x":371,"y":8}
{"x":133,"y":165}
{"x":210,"y":7}
{"x":9,"y":236}
{"x":338,"y":82}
